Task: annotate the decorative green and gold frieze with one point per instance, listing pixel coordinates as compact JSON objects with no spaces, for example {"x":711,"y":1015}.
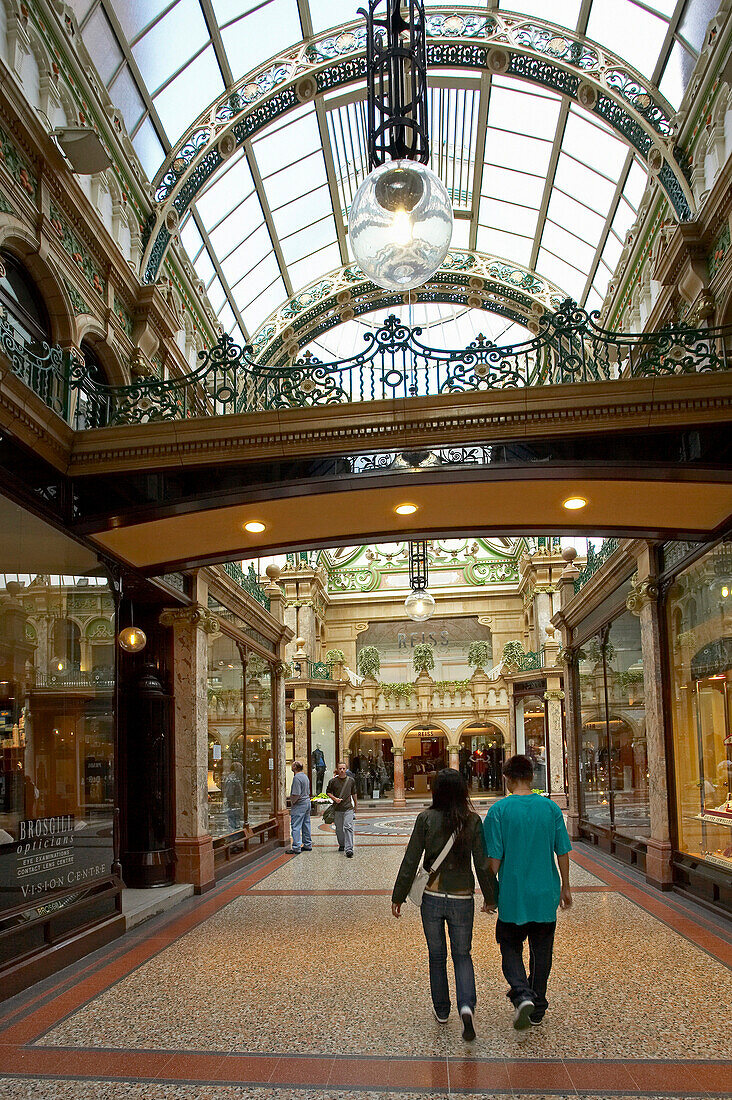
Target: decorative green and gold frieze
{"x":17,"y":166}
{"x":76,"y":250}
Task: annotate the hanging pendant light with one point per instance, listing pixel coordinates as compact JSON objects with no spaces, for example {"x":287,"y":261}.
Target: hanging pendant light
{"x":131,"y":638}
{"x":419,"y":604}
{"x":400,"y":222}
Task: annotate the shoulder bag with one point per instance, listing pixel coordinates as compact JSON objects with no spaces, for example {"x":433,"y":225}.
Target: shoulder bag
{"x":330,"y":811}
{"x":422,"y":876}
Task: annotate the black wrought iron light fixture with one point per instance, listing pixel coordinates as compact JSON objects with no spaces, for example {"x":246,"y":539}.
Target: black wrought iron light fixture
{"x":400,"y":222}
{"x":419,"y":604}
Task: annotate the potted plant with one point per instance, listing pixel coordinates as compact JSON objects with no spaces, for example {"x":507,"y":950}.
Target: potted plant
{"x":479,"y":654}
{"x":369,"y":662}
{"x":423,"y":657}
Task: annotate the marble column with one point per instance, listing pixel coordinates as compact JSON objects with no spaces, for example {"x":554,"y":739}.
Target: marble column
{"x":554,"y":697}
{"x":193,"y":843}
{"x":300,"y":707}
{"x":511,"y":721}
{"x":400,"y":800}
{"x":643,"y":602}
{"x":453,"y":757}
{"x":572,"y":715}
{"x":280,"y":764}
{"x":542,"y":614}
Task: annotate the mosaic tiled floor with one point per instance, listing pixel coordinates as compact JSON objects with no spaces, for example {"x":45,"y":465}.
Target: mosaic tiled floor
{"x":232,"y":997}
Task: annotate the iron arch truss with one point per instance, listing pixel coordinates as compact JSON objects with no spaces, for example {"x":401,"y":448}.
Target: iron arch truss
{"x":468,"y":278}
{"x":528,"y":49}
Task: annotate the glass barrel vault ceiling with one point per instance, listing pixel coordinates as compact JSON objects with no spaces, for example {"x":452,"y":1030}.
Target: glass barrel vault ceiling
{"x":534,"y":179}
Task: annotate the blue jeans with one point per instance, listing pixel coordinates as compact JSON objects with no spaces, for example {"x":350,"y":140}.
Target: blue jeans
{"x":300,"y":827}
{"x":457,"y":914}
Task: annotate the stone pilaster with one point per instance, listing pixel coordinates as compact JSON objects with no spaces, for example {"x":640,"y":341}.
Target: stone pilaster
{"x":511,"y":720}
{"x":193,"y":843}
{"x":643,"y":602}
{"x":572,"y":714}
{"x":300,"y":707}
{"x":280,"y":763}
{"x":453,"y":757}
{"x":400,"y":800}
{"x":554,"y":697}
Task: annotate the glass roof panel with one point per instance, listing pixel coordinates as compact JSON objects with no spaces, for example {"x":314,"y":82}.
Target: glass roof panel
{"x":190,"y":237}
{"x":509,"y":246}
{"x":566,"y":276}
{"x":575,"y":179}
{"x":567,"y":211}
{"x":134,"y":17}
{"x":313,"y":267}
{"x":187,"y":95}
{"x":260,"y":308}
{"x":149,"y":148}
{"x":273,"y":29}
{"x":128,"y":98}
{"x":629,"y":31}
{"x":100,"y":41}
{"x":563,"y":12}
{"x":170,"y":43}
{"x":329,"y":13}
{"x":593,"y":146}
{"x":302,"y":211}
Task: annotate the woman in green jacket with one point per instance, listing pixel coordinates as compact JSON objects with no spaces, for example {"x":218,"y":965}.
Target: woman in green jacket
{"x":448,"y":896}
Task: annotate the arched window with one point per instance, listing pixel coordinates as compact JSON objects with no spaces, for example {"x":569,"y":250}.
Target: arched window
{"x":20,"y":299}
{"x":93,"y":364}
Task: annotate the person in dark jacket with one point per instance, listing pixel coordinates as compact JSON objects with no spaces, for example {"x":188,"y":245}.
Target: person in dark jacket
{"x":448,"y":896}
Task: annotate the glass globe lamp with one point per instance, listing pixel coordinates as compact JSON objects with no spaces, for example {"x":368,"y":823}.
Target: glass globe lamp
{"x":419,"y":605}
{"x":132,"y":639}
{"x":400,"y":224}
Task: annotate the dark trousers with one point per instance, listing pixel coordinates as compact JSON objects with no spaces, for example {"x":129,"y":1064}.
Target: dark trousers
{"x":511,"y":938}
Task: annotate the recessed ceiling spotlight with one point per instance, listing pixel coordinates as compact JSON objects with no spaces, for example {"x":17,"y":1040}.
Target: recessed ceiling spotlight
{"x":574,"y":503}
{"x":255,"y":527}
{"x":405,"y":509}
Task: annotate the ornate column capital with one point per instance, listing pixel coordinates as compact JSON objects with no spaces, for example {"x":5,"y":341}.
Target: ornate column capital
{"x":453,"y":748}
{"x":299,"y":704}
{"x":397,"y":750}
{"x":549,"y":695}
{"x":195,"y":615}
{"x":641,"y":594}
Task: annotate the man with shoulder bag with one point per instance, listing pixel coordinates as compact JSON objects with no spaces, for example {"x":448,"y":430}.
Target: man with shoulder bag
{"x":342,"y":792}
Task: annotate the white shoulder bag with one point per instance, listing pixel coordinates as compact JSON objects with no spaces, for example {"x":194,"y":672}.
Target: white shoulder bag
{"x":422,"y":876}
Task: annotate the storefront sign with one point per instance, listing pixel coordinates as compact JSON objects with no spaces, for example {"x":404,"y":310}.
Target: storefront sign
{"x":415,"y":637}
{"x":44,"y":853}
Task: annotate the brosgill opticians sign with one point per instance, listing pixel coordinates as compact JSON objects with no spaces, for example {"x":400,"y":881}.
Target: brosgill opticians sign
{"x":44,"y":851}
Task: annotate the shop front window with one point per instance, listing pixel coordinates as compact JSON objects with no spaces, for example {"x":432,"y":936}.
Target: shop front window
{"x":372,"y":763}
{"x":425,"y":754}
{"x":531,"y":736}
{"x":699,"y":624}
{"x":323,"y":742}
{"x":482,"y":755}
{"x":613,"y":759}
{"x":226,"y":788}
{"x":57,"y":763}
{"x":258,"y":758}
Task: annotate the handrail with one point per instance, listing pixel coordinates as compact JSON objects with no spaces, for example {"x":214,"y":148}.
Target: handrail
{"x":570,"y":347}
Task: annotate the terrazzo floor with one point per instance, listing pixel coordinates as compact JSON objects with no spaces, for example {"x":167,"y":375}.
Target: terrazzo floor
{"x":292,"y":979}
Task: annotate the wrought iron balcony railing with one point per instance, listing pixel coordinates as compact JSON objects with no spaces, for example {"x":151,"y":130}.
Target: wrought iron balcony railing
{"x":570,"y":347}
{"x":248,"y":581}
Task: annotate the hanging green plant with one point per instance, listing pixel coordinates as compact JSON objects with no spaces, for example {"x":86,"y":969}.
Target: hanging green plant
{"x":423,"y":657}
{"x":479,"y":654}
{"x":335,"y":656}
{"x":512,"y":654}
{"x":368,"y":662}
{"x":445,"y":687}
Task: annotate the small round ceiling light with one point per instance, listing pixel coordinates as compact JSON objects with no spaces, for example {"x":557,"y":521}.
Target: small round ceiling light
{"x":255,"y":527}
{"x":573,"y":504}
{"x":132,"y":639}
{"x":405,"y":509}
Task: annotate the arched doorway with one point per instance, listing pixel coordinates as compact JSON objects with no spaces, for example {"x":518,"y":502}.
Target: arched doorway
{"x":425,"y":754}
{"x":371,"y":760}
{"x":482,"y":753}
{"x":531,"y":735}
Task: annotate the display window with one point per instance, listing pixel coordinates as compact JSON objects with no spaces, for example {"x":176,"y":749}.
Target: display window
{"x":482,"y":755}
{"x":240,"y":760}
{"x":323,"y":746}
{"x":57,"y":756}
{"x":531,"y":736}
{"x":425,"y":754}
{"x":699,"y":625}
{"x":371,"y":761}
{"x":613,"y":760}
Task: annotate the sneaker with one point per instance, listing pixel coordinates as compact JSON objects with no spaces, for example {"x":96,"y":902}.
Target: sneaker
{"x":292,"y":851}
{"x":536,"y":1021}
{"x":466,"y":1015}
{"x":349,"y":855}
{"x":440,"y":1019}
{"x":340,"y":848}
{"x":306,"y":849}
{"x":522,"y":1015}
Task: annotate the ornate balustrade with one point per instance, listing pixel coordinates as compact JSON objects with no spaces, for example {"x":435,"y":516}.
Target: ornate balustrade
{"x":595,"y":558}
{"x":248,"y":581}
{"x":570,"y":347}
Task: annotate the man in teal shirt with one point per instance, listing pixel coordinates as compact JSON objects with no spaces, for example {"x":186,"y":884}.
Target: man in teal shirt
{"x":523,"y":833}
